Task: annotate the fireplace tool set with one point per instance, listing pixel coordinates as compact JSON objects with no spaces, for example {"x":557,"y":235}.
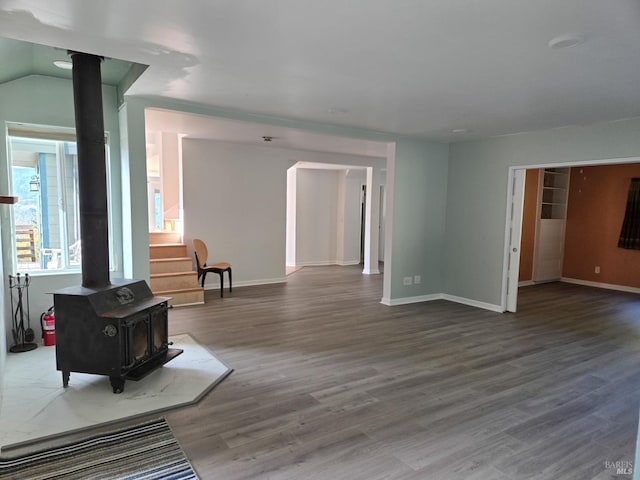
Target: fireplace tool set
{"x":22,"y":337}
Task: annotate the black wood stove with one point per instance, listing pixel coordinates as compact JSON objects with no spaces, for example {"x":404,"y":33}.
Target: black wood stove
{"x":117,"y":329}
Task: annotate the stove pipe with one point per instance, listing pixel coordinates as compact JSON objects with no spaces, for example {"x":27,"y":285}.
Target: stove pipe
{"x":92,"y":169}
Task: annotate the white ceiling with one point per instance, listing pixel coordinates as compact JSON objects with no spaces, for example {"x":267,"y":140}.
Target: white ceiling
{"x":211,"y":128}
{"x":413,"y":67}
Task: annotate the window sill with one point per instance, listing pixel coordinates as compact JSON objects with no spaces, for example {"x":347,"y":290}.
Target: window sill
{"x":50,"y":273}
{"x":56,"y":273}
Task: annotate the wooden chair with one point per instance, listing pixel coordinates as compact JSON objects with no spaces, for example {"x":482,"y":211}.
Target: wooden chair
{"x":201,"y":263}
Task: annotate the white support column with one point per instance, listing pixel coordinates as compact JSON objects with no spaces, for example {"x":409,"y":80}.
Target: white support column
{"x":135,"y":226}
{"x":292,"y":192}
{"x":372,"y":222}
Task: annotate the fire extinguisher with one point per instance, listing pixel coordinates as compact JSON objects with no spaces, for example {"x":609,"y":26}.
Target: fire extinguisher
{"x":48,"y":324}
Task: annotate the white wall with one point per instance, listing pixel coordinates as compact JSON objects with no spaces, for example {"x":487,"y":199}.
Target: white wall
{"x":317,"y":216}
{"x":328,"y":216}
{"x":170,"y":166}
{"x":324,"y":215}
{"x":235,"y":201}
{"x":349,"y":213}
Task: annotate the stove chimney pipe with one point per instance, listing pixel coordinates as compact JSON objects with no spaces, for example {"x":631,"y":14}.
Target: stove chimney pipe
{"x":92,"y":169}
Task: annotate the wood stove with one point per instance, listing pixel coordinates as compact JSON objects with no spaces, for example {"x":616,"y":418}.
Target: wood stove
{"x":117,"y":329}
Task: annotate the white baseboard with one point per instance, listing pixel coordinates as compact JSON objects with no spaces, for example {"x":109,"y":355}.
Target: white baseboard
{"x":441,"y":296}
{"x":344,"y":263}
{"x":324,"y":263}
{"x":391,"y":302}
{"x":526,"y":283}
{"x":245,"y":283}
{"x":608,"y":286}
{"x":473,"y":303}
{"x":319,"y":263}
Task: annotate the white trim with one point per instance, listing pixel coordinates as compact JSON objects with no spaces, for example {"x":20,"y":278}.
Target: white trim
{"x":608,"y":286}
{"x":324,"y":263}
{"x":580,"y":163}
{"x":246,"y":283}
{"x":526,"y":283}
{"x":371,"y":272}
{"x":441,"y":296}
{"x":407,"y":300}
{"x":473,"y":303}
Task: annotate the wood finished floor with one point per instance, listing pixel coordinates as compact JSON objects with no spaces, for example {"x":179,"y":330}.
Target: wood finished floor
{"x":330,"y":384}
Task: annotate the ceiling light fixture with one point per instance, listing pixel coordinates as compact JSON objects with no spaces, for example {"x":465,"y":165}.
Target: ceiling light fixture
{"x":63,"y":64}
{"x":459,"y":130}
{"x":566,"y":41}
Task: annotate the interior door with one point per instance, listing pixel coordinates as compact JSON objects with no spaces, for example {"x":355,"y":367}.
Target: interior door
{"x":514,"y":227}
{"x":549,"y":250}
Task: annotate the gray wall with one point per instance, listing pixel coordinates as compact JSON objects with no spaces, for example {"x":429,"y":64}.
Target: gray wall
{"x":477,"y":194}
{"x":417,"y":183}
{"x":49,"y":101}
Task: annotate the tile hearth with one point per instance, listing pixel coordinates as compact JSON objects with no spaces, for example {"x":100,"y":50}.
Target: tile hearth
{"x":34,"y":406}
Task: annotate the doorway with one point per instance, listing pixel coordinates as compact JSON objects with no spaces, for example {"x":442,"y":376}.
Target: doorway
{"x":381,"y":223}
{"x":164,"y":181}
{"x":363,"y":220}
{"x":331,"y":218}
{"x":596,"y":199}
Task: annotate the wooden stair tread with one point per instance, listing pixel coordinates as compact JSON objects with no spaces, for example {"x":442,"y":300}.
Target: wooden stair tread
{"x":163,"y":293}
{"x":173,"y":274}
{"x":174,"y":259}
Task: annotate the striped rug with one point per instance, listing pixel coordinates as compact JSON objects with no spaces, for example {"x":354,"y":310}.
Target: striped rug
{"x":147,"y":451}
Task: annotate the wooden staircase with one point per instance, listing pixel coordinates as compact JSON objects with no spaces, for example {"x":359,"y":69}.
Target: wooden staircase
{"x":172,"y":272}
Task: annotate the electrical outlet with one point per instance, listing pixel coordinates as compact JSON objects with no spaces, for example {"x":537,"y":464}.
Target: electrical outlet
{"x":597,"y":268}
{"x":407,"y":280}
{"x":417,"y":279}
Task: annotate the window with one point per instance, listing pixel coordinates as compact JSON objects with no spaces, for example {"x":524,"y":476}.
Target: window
{"x":630,"y":233}
{"x":47,"y":217}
